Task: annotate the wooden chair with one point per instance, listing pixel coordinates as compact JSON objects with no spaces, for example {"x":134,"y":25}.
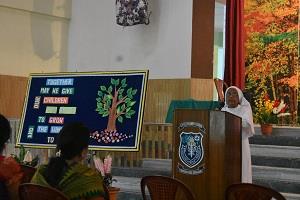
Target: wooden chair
{"x":3,"y":191}
{"x":248,"y":191}
{"x":30,"y":191}
{"x":165,"y":188}
{"x":28,"y":173}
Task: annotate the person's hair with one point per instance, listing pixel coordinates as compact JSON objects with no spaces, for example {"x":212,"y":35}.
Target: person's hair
{"x":72,"y":139}
{"x":5,"y":131}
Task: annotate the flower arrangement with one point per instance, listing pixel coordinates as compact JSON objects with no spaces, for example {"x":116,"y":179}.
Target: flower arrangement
{"x":264,"y":112}
{"x":25,"y":157}
{"x":104,"y":168}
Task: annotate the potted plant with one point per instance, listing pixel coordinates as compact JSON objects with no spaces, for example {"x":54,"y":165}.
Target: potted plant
{"x":104,"y":168}
{"x":25,"y":158}
{"x":264,"y":115}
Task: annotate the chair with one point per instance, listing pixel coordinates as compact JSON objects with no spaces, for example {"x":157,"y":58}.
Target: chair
{"x":165,"y":188}
{"x":28,"y":173}
{"x":3,"y":191}
{"x":31,"y":191}
{"x":248,"y":191}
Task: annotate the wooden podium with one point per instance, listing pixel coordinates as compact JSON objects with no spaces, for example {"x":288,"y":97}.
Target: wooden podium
{"x":207,"y":151}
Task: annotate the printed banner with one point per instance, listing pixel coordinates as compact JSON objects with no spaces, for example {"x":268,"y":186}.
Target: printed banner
{"x":110,"y":104}
{"x":272,"y":60}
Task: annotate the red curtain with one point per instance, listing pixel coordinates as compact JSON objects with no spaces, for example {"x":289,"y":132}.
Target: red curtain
{"x":234,"y":44}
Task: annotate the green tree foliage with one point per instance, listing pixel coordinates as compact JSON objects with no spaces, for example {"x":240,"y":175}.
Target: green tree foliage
{"x":116,"y":100}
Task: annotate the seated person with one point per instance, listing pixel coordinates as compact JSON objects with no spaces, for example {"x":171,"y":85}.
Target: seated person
{"x":66,"y":171}
{"x":10,"y":170}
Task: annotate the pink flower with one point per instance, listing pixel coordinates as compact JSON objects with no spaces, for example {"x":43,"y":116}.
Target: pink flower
{"x":107,"y":164}
{"x":104,"y":167}
{"x":99,"y":165}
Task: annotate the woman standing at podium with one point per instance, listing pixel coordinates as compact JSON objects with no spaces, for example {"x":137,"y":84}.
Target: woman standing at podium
{"x":236,"y":104}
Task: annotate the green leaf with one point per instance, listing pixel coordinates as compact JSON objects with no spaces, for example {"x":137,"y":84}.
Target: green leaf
{"x":117,"y":82}
{"x":134,"y":92}
{"x":22,"y":153}
{"x":132,"y":103}
{"x":123,"y":107}
{"x":108,"y":102}
{"x":121,"y":91}
{"x":129,"y":91}
{"x":104,"y":106}
{"x":123,"y":81}
{"x":127,"y":109}
{"x":112,"y":81}
{"x":109,"y":89}
{"x":120,"y":119}
{"x":99,"y":105}
{"x":127,"y":100}
{"x":127,"y":115}
{"x":109,"y":96}
{"x":118,"y":109}
{"x":103,"y":88}
{"x":131,"y":112}
{"x":105,"y":114}
{"x":98,"y":99}
{"x":120,"y":97}
{"x":100,"y":93}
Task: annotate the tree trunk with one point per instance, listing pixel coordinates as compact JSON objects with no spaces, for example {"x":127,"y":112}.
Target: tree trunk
{"x":111,"y":124}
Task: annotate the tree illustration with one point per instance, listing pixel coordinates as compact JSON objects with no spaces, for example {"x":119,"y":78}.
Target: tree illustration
{"x":115,"y":101}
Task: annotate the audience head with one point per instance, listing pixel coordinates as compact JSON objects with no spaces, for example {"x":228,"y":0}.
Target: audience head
{"x":72,"y":140}
{"x":5,"y":131}
{"x":72,"y":143}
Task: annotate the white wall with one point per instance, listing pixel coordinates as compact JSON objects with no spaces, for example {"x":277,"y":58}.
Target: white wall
{"x":97,"y":43}
{"x":33,"y":36}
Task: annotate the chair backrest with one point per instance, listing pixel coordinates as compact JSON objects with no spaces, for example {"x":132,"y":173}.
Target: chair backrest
{"x":31,"y":191}
{"x":28,"y":173}
{"x":249,"y":191}
{"x":165,"y":188}
{"x":3,"y":190}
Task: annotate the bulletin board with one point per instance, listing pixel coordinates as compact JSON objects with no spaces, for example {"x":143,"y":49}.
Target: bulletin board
{"x":110,"y":104}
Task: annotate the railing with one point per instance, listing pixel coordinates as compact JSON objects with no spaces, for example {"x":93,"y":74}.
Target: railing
{"x":156,"y":143}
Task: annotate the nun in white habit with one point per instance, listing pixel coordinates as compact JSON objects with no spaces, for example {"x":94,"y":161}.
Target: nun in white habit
{"x":236,"y":104}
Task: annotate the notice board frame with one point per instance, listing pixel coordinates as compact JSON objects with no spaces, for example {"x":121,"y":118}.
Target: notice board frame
{"x":55,"y":103}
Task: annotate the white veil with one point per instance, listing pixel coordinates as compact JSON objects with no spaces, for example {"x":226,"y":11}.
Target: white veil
{"x":243,"y":110}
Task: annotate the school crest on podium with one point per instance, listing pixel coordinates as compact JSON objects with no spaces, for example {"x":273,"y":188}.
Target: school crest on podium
{"x":191,"y":148}
{"x":191,"y":151}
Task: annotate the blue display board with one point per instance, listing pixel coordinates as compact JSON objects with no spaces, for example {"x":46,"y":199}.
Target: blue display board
{"x":111,"y":104}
